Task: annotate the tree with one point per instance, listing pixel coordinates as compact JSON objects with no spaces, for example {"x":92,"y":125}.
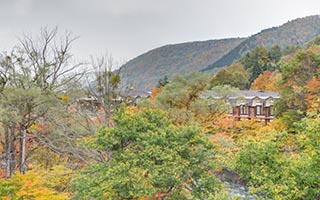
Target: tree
{"x":182,"y":91}
{"x":296,"y":74}
{"x":256,"y":62}
{"x":312,"y":96}
{"x":104,"y":87}
{"x":149,"y":157}
{"x":163,"y":82}
{"x":32,"y":78}
{"x":279,"y":165}
{"x":275,"y":53}
{"x":235,"y":75}
{"x":29,"y":186}
{"x":268,"y":82}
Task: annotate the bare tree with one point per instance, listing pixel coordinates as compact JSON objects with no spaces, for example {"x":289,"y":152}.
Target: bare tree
{"x":104,"y":86}
{"x":31,"y":79}
{"x":49,"y":59}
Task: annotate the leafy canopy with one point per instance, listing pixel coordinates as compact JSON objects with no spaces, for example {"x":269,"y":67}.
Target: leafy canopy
{"x":149,"y":157}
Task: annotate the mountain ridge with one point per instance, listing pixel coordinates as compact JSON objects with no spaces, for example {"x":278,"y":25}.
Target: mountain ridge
{"x":144,"y":71}
{"x":172,"y":59}
{"x":267,"y":39}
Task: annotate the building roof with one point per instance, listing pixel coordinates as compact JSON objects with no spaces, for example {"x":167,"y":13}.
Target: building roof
{"x":136,"y":93}
{"x":250,"y":94}
{"x":241,"y":97}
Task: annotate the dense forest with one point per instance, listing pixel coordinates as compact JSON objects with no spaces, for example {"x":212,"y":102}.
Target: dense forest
{"x":63,"y":140}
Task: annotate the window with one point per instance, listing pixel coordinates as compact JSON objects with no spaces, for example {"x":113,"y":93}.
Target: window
{"x":243,"y":110}
{"x":259,"y":110}
{"x":271,"y":110}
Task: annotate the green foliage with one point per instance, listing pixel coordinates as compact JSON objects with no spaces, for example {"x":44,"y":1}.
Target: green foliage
{"x":213,"y":100}
{"x":290,"y":49}
{"x":314,"y":41}
{"x":147,"y":157}
{"x":256,"y":160}
{"x":275,"y":53}
{"x":182,"y":91}
{"x":256,"y":62}
{"x":163,"y":82}
{"x":283,"y":166}
{"x":234,"y":75}
{"x":295,"y":76}
{"x":292,"y":34}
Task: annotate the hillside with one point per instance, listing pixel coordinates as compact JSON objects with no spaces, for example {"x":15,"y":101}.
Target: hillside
{"x":144,"y":71}
{"x":295,"y":32}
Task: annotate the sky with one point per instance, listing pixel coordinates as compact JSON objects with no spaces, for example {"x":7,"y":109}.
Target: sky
{"x":128,"y":28}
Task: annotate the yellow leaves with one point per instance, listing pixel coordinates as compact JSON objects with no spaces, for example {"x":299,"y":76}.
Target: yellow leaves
{"x":64,"y":99}
{"x":131,"y":110}
{"x":32,"y":185}
{"x":107,"y":194}
{"x":59,"y":178}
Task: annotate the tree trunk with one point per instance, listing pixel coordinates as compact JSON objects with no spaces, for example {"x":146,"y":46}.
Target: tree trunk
{"x":13,"y":148}
{"x":9,"y":148}
{"x":7,"y":151}
{"x":23,"y":150}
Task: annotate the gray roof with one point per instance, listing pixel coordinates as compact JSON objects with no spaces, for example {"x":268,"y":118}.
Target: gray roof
{"x":247,"y":96}
{"x":136,"y":93}
{"x":250,"y":94}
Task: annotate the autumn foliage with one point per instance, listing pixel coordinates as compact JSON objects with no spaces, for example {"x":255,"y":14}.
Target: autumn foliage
{"x":268,"y":82}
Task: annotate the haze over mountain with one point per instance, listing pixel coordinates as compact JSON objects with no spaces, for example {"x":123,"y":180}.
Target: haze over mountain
{"x":144,"y":71}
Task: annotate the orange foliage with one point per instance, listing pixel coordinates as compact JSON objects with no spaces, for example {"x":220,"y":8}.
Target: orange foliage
{"x":313,"y":95}
{"x":155,"y":92}
{"x":267,"y":82}
{"x":224,"y":124}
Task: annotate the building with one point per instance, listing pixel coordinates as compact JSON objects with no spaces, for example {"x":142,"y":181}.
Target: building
{"x":131,"y":98}
{"x":249,"y":104}
{"x":253,"y":105}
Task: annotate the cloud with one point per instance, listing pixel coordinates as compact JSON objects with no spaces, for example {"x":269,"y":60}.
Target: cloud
{"x":23,"y":7}
{"x":123,"y":8}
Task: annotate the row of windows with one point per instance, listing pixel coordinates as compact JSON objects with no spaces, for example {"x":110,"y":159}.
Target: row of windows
{"x":259,"y":110}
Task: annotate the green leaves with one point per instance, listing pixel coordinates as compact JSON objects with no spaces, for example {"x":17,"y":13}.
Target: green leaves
{"x":149,"y":156}
{"x":285,"y":166}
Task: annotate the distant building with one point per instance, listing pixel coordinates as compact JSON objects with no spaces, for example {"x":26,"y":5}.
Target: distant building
{"x":131,"y":97}
{"x":250,"y":104}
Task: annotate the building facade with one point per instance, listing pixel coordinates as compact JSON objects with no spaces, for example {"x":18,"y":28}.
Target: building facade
{"x":249,"y":104}
{"x":253,"y":105}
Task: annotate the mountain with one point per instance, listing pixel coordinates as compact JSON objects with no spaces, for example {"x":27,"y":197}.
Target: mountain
{"x":296,"y":32}
{"x":144,"y":71}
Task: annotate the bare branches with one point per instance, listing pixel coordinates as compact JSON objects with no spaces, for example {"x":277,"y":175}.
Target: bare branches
{"x":49,"y":58}
{"x":31,"y":77}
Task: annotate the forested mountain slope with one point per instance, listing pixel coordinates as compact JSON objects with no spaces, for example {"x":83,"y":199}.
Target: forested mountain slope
{"x":145,"y":70}
{"x":295,"y":32}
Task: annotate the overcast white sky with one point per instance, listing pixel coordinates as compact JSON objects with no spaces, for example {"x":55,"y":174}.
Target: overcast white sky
{"x":128,"y":28}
